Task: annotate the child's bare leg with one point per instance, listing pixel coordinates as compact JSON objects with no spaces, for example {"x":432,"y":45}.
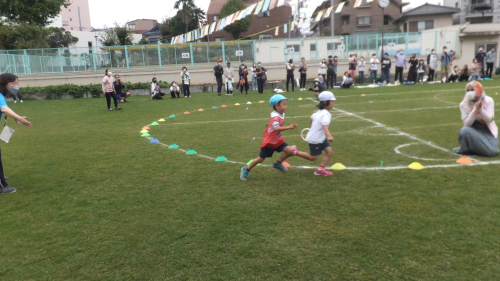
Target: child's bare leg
{"x":254,"y":163}
{"x":326,"y":158}
{"x":307,"y":156}
{"x":287,"y":152}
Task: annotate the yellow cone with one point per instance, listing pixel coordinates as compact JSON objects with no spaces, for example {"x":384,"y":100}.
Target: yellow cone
{"x":415,"y":166}
{"x":338,"y":166}
{"x":144,"y":131}
{"x":161,"y":120}
{"x":237,"y":104}
{"x":300,"y":98}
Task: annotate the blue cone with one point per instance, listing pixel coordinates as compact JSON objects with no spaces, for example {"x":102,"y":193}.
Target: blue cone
{"x":154,"y":140}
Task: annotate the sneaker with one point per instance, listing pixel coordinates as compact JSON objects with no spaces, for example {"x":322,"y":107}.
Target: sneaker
{"x":280,"y":167}
{"x":185,"y":96}
{"x":295,"y":150}
{"x":6,"y":189}
{"x":322,"y":172}
{"x":15,"y":101}
{"x":21,"y":101}
{"x":118,"y":108}
{"x":110,"y":109}
{"x":456,"y":150}
{"x":227,"y":94}
{"x":152,"y":97}
{"x":244,"y":174}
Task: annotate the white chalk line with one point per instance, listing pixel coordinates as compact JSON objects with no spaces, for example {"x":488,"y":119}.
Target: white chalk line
{"x":396,"y":149}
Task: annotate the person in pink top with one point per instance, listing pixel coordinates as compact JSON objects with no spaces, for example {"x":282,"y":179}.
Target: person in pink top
{"x":109,"y":90}
{"x":479,"y":135}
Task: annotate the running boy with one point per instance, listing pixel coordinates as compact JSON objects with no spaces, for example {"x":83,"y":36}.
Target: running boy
{"x":319,"y":136}
{"x":273,"y":138}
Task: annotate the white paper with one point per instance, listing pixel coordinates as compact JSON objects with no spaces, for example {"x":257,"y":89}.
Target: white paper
{"x":6,"y":134}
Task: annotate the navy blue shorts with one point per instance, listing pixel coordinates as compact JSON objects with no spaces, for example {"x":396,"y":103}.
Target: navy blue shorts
{"x":268,"y":152}
{"x":317,"y":148}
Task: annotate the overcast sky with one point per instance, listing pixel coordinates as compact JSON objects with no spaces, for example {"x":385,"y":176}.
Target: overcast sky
{"x":104,"y":12}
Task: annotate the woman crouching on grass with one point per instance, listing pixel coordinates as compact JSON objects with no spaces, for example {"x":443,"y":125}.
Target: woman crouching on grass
{"x":479,"y":135}
{"x":8,"y":86}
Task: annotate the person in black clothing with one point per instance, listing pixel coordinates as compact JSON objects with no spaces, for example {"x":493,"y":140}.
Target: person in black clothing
{"x":480,"y":56}
{"x":120,"y":94}
{"x":464,"y":74}
{"x":412,"y":72}
{"x":330,"y":72}
{"x":239,"y":71}
{"x":289,"y":74}
{"x":259,"y":72}
{"x":386,"y":68}
{"x":218,"y":72}
{"x":244,"y":79}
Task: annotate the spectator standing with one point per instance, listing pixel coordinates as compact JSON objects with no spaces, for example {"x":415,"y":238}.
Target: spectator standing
{"x":445,"y":63}
{"x":254,"y":77}
{"x":400,"y":65}
{"x":330,"y":73}
{"x":361,"y":70}
{"x":218,"y":72}
{"x":108,"y":90}
{"x":481,"y":56}
{"x":412,"y":72}
{"x":352,"y":65}
{"x":421,"y":71}
{"x":386,"y":68}
{"x":374,"y":68}
{"x":289,"y":74}
{"x":490,"y":61}
{"x":186,"y":81}
{"x":120,"y":94}
{"x":322,"y":68}
{"x":239,"y":73}
{"x":335,"y":66}
{"x":244,"y":79}
{"x":175,"y":90}
{"x":229,"y":74}
{"x":9,"y":84}
{"x":303,"y":74}
{"x":464,"y":74}
{"x":453,"y":56}
{"x":432,"y":63}
{"x":260,"y":72}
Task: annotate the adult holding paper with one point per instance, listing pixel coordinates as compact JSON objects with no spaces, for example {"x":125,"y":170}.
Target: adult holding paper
{"x":8,"y":84}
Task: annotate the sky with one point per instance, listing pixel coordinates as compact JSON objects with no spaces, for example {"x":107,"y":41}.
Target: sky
{"x":105,"y":13}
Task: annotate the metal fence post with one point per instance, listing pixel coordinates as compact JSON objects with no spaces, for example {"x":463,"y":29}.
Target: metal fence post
{"x":286,"y":47}
{"x":208,"y":55}
{"x":254,"y":51}
{"x":159,"y":55}
{"x":223,"y":54}
{"x":94,"y":58}
{"x":435,"y":40}
{"x":407,"y":39}
{"x":317,"y":49}
{"x":126,"y":57}
{"x":26,"y":60}
{"x":191,"y":50}
{"x":60,"y":60}
{"x":376,"y":45}
{"x":143,"y":61}
{"x":346,"y":46}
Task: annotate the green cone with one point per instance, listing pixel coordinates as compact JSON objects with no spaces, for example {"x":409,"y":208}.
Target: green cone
{"x":173,"y":146}
{"x":154,"y":123}
{"x":191,"y":152}
{"x":221,"y":159}
{"x":145,"y":135}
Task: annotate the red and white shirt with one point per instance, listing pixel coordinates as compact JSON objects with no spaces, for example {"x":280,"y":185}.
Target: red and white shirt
{"x":272,"y":138}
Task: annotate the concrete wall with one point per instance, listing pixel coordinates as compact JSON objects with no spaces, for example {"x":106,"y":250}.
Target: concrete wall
{"x":87,"y":36}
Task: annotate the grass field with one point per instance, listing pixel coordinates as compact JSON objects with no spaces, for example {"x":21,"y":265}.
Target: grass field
{"x":96,"y":201}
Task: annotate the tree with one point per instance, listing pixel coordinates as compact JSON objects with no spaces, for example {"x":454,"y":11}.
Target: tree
{"x":59,"y":38}
{"x":109,"y":37}
{"x":123,"y":35}
{"x":143,"y":41}
{"x":34,"y":12}
{"x":238,"y":27}
{"x":177,"y":27}
{"x":186,"y":11}
{"x":165,"y":33}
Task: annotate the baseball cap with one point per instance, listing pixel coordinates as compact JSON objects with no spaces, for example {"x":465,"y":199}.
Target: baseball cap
{"x":276,"y":98}
{"x":219,"y":61}
{"x":326,"y":95}
{"x":316,"y":80}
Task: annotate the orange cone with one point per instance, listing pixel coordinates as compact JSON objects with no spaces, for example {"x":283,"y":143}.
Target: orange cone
{"x":187,"y":112}
{"x":285,"y":164}
{"x":224,"y":105}
{"x":465,"y":160}
{"x":363,"y":95}
{"x":145,"y":128}
{"x":261,"y":101}
{"x":201,"y":109}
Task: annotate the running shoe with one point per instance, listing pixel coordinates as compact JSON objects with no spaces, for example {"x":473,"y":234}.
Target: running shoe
{"x":456,"y":150}
{"x":15,"y":101}
{"x":21,"y":101}
{"x":295,"y":150}
{"x":6,"y":189}
{"x":322,"y":172}
{"x":244,"y":174}
{"x":110,"y":109}
{"x":118,"y":108}
{"x":280,"y":167}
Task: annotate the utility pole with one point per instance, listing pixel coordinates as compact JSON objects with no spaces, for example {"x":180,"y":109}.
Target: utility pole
{"x":332,"y":18}
{"x":383,"y":29}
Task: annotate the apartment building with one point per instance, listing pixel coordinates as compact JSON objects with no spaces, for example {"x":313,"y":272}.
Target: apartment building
{"x":140,"y":26}
{"x":470,"y":13}
{"x":76,"y":16}
{"x":425,"y":17}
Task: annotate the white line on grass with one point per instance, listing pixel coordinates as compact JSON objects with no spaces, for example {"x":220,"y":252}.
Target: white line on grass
{"x":415,"y":92}
{"x":396,"y":149}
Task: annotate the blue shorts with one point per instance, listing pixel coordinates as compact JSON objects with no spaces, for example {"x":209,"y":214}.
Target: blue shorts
{"x":317,"y":148}
{"x":120,"y":96}
{"x":266,"y":152}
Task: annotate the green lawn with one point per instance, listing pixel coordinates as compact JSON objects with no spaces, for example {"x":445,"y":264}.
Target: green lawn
{"x":96,"y":201}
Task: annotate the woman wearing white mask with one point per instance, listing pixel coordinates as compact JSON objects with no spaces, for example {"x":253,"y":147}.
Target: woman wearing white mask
{"x":322,"y":69}
{"x":175,"y":90}
{"x":432,"y":64}
{"x":109,"y":90}
{"x":479,"y":135}
{"x":254,"y":76}
{"x":8,"y":84}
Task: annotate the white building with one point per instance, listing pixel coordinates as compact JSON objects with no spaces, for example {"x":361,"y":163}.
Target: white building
{"x":88,"y":38}
{"x":469,"y":14}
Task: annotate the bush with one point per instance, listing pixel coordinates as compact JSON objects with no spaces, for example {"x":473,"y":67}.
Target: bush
{"x":78,"y":91}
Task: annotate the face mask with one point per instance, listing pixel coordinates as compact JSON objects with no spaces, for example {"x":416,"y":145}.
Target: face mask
{"x":362,"y":59}
{"x":14,"y":90}
{"x":445,"y":50}
{"x":334,"y":58}
{"x":174,"y":84}
{"x":401,"y":53}
{"x":432,"y":52}
{"x":220,"y":63}
{"x":154,"y":81}
{"x":259,"y":64}
{"x":228,"y":65}
{"x":110,"y":73}
{"x":421,"y":63}
{"x":316,"y":83}
{"x":373,"y":57}
{"x":118,"y":79}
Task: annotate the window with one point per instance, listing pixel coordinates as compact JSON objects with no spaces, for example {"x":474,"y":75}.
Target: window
{"x":216,"y":18}
{"x":70,"y":19}
{"x":345,"y":20}
{"x":89,"y":43}
{"x":296,"y":48}
{"x":131,"y":26}
{"x":456,"y":5}
{"x":365,"y":3}
{"x":363,"y":20}
{"x":72,"y":28}
{"x":262,"y":15}
{"x":69,"y":10}
{"x":65,"y":23}
{"x":424,"y":25}
{"x":387,"y":19}
{"x":312,"y":47}
{"x":265,"y":36}
{"x":331,"y":46}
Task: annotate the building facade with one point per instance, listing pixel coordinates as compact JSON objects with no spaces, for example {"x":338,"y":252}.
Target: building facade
{"x":468,"y":12}
{"x":261,"y":22}
{"x":140,"y":26}
{"x":425,"y":17}
{"x":368,"y":18}
{"x":76,"y":16}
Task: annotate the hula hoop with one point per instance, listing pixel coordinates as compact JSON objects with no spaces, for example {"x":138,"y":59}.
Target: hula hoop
{"x":302,"y":133}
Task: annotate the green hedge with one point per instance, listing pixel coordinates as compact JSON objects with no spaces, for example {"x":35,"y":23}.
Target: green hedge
{"x":77,"y":91}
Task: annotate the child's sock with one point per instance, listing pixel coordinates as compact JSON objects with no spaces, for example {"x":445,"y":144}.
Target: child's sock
{"x":321,"y":167}
{"x":277,"y":162}
{"x":246,"y":169}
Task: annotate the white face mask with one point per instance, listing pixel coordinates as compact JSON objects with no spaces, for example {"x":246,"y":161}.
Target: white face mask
{"x":446,"y":50}
{"x":109,"y":73}
{"x":259,"y":64}
{"x":316,"y":83}
{"x":401,"y":53}
{"x":174,"y":84}
{"x":362,"y":59}
{"x":432,"y":52}
{"x":220,"y":63}
{"x":373,"y":57}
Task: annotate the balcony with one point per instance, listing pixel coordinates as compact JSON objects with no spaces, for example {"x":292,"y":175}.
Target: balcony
{"x":345,"y":29}
{"x":346,"y":11}
{"x":471,"y":12}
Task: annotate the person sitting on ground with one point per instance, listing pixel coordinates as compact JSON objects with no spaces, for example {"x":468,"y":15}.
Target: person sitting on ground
{"x":175,"y":90}
{"x":453,"y":74}
{"x":479,"y":135}
{"x":318,"y":88}
{"x":120,"y":94}
{"x":347,"y":83}
{"x":322,"y":80}
{"x":156,"y":93}
{"x":464,"y":74}
{"x":475,"y":70}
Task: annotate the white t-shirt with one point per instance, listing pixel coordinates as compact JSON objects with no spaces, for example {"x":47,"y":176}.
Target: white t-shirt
{"x":374,"y":64}
{"x":322,"y":68}
{"x":317,"y":135}
{"x":186,"y":78}
{"x":174,"y":89}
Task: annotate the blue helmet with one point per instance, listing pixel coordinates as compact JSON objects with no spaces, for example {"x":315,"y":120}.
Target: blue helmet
{"x":276,"y":98}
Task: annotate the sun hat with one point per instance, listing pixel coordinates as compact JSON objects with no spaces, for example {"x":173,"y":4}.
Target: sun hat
{"x":326,"y":95}
{"x":276,"y":98}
